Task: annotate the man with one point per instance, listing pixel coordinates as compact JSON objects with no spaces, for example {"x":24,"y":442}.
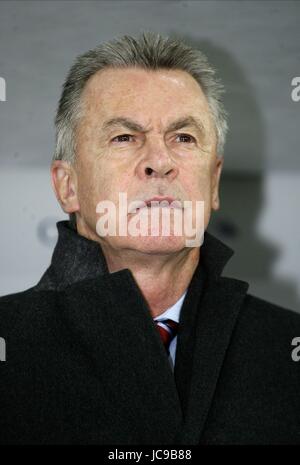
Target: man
{"x":137,"y":338}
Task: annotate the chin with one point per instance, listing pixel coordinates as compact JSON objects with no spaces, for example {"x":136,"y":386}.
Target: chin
{"x":156,"y":245}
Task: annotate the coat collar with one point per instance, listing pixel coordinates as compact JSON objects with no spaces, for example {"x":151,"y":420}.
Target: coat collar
{"x":76,"y":258}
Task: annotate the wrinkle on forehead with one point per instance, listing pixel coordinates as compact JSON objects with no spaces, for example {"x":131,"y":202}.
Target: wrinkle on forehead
{"x":147,"y":96}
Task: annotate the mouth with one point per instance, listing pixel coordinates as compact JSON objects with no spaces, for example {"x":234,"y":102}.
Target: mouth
{"x":163,"y":201}
{"x":154,"y":202}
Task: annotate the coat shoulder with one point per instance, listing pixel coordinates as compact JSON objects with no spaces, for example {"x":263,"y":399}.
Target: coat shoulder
{"x":264,"y":312}
{"x":266,"y":331}
{"x":24,"y":308}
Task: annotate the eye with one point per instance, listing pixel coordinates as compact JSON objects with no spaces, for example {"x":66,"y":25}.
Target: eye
{"x":122,"y":138}
{"x":186,"y":138}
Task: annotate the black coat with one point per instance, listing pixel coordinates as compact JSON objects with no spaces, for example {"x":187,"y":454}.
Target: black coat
{"x":85,"y":364}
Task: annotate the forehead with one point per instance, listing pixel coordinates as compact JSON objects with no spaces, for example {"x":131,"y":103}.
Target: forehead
{"x":113,"y":91}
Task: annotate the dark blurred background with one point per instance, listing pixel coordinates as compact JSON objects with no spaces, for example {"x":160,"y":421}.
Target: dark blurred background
{"x":255,"y":46}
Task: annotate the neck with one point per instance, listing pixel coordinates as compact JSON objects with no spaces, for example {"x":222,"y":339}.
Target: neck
{"x":162,"y":279}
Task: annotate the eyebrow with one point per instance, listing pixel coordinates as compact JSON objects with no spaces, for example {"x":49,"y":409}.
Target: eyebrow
{"x":187,"y":121}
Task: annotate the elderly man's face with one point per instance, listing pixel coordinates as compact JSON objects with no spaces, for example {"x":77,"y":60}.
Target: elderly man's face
{"x":148,"y":134}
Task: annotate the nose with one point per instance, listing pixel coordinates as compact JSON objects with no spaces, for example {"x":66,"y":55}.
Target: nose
{"x":157,"y":163}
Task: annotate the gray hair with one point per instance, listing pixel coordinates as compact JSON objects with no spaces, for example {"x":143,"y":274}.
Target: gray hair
{"x":149,"y":51}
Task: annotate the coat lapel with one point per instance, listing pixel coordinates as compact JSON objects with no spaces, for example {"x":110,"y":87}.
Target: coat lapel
{"x":213,"y":324}
{"x":207,"y":320}
{"x":110,"y":320}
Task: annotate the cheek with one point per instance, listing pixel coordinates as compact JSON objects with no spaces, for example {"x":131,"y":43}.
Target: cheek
{"x":90,"y":185}
{"x":198,"y":182}
{"x":102,"y":182}
{"x":198,"y":185}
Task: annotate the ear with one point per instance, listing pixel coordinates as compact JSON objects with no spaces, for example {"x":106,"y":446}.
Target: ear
{"x":64,"y":183}
{"x":216,"y":175}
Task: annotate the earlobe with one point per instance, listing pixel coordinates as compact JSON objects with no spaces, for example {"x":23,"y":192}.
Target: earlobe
{"x":216,"y":183}
{"x":63,"y":178}
{"x":215,"y":203}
